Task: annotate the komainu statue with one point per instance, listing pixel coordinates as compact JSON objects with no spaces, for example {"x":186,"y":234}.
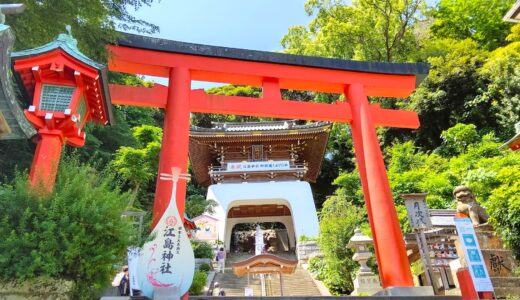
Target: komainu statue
{"x":468,"y":205}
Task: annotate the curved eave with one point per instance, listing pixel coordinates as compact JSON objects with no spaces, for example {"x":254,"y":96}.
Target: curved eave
{"x":278,"y":264}
{"x":513,"y":144}
{"x":209,"y":133}
{"x":75,"y":54}
{"x":58,"y":44}
{"x":420,"y":70}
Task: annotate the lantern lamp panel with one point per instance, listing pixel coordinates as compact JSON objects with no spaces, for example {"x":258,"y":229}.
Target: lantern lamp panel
{"x":55,"y":97}
{"x":82,"y":107}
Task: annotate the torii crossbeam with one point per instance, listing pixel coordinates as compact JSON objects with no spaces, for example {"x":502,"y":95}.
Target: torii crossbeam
{"x":182,"y":62}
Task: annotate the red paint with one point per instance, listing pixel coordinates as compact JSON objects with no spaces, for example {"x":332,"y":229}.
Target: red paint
{"x":224,"y":70}
{"x":45,"y":162}
{"x":54,"y":132}
{"x":467,"y":289}
{"x":394,"y":268}
{"x":174,"y":150}
{"x":268,"y":106}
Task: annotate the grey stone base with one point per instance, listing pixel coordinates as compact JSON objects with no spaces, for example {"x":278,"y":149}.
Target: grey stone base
{"x":406,"y":291}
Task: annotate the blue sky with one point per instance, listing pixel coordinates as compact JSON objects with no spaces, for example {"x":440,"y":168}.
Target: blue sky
{"x":249,"y":24}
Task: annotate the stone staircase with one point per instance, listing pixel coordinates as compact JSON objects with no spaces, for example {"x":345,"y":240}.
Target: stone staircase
{"x":299,"y":283}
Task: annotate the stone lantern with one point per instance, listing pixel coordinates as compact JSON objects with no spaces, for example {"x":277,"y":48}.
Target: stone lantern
{"x":366,"y":282}
{"x":64,"y":89}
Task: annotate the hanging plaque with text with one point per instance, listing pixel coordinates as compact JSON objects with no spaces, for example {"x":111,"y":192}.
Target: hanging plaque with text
{"x":258,"y":166}
{"x":418,"y":212}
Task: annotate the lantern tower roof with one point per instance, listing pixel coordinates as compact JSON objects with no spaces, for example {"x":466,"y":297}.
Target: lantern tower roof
{"x":62,"y":54}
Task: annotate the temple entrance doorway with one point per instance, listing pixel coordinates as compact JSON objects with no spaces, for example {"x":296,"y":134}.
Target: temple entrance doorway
{"x":275,"y":220}
{"x":276,"y":237}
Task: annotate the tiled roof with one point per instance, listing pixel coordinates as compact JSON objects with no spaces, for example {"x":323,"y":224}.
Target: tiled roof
{"x":12,"y":114}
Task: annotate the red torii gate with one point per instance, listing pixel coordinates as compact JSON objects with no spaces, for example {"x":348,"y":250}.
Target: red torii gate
{"x":182,"y":62}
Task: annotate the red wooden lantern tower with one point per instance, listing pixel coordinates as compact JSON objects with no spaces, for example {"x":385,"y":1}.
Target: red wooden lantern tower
{"x":64,"y":90}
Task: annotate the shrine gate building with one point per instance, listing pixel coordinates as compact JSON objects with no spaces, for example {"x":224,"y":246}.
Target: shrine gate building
{"x":260,"y":172}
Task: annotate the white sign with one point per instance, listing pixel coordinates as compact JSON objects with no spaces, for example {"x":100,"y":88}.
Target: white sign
{"x":259,"y":241}
{"x":248,"y":292}
{"x":418,"y":212}
{"x":473,"y":255}
{"x":167,"y":261}
{"x":258,"y":166}
{"x":133,"y":257}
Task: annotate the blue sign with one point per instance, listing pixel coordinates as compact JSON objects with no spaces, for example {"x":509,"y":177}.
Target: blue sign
{"x":473,"y":255}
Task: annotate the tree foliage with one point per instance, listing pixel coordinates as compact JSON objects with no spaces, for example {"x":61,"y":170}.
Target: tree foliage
{"x":197,"y":204}
{"x":366,"y":30}
{"x":93,"y":22}
{"x":338,"y":219}
{"x":139,"y":165}
{"x":479,"y":20}
{"x":502,"y":74}
{"x":446,"y":97}
{"x":76,"y":233}
{"x":465,"y":156}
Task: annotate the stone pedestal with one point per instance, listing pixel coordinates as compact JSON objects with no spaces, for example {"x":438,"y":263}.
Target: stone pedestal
{"x":419,"y":291}
{"x":366,"y":282}
{"x":166,"y":294}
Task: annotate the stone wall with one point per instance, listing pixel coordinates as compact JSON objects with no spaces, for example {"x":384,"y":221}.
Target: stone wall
{"x":306,"y":250}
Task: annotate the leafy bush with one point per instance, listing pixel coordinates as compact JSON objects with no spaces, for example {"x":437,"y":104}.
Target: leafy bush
{"x":199,"y":281}
{"x":202,"y":249}
{"x":338,"y":219}
{"x":204,"y":267}
{"x":76,"y":233}
{"x":317,"y":267}
{"x":504,"y":208}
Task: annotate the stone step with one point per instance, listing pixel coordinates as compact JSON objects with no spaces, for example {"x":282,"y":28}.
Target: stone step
{"x":299,"y":283}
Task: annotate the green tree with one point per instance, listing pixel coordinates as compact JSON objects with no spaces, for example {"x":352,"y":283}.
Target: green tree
{"x":504,"y":207}
{"x":76,"y":233}
{"x":338,"y":219}
{"x":197,"y":204}
{"x":479,"y":20}
{"x":94,"y":22}
{"x":502,"y":75}
{"x":365,"y":30}
{"x":447,"y":96}
{"x":140,"y":165}
{"x":456,"y":139}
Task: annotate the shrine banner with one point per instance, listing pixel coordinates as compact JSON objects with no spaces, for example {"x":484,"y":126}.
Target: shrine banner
{"x":133,"y":257}
{"x":473,"y":255}
{"x":167,"y":261}
{"x":258,"y":166}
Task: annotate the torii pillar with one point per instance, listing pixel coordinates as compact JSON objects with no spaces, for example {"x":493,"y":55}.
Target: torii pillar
{"x":174,"y":149}
{"x":382,"y":215}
